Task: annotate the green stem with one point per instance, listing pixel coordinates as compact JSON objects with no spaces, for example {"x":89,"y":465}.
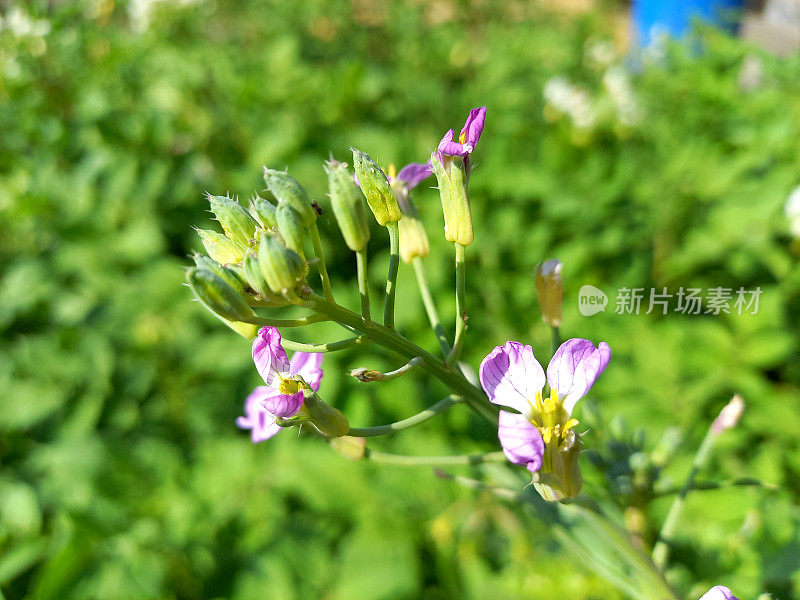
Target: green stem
{"x":394,"y":342}
{"x":288,"y":322}
{"x":329,"y":347}
{"x":428,"y":461}
{"x":555,"y":340}
{"x":461,"y":310}
{"x":323,"y":271}
{"x":661,"y":548}
{"x":363,"y":284}
{"x":430,"y":306}
{"x":418,"y":418}
{"x":391,"y":277}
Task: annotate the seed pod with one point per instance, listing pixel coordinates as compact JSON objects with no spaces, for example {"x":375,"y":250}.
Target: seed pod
{"x":347,"y":203}
{"x":291,"y":227}
{"x":237,"y":223}
{"x":264,"y":212}
{"x":281,"y":267}
{"x":227,"y":274}
{"x":452,"y":178}
{"x":375,"y":185}
{"x":220,"y":248}
{"x":287,"y":189}
{"x":218,"y":296}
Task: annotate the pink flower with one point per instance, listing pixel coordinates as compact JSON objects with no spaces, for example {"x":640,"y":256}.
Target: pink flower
{"x":467,"y":140}
{"x":718,"y":592}
{"x":511,"y":376}
{"x":282,"y":396}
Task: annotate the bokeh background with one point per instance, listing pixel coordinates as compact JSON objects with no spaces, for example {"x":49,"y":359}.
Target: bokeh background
{"x":122,"y":475}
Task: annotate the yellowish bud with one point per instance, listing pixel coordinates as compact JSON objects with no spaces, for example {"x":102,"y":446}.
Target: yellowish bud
{"x":550,"y":290}
{"x":452,"y":178}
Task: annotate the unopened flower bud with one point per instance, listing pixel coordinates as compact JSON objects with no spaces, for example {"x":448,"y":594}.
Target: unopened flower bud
{"x":291,"y":228}
{"x":254,"y":277}
{"x":237,"y":223}
{"x":281,"y":267}
{"x":413,"y":239}
{"x":452,"y":177}
{"x":227,"y":274}
{"x":218,"y":296}
{"x":347,"y":203}
{"x":729,"y":416}
{"x":264,"y":212}
{"x":550,"y":290}
{"x":328,"y":420}
{"x":287,"y":189}
{"x":376,"y":188}
{"x":221,"y":248}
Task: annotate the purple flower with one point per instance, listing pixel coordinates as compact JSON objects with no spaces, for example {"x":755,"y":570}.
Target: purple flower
{"x":414,"y":173}
{"x":718,"y":592}
{"x":511,"y":376}
{"x":282,"y":396}
{"x":467,"y":140}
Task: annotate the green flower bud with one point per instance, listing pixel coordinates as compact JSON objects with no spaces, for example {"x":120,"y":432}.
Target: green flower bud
{"x":328,"y":420}
{"x":347,"y":203}
{"x":413,"y":239}
{"x":227,"y":274}
{"x":281,"y":267}
{"x":452,"y":178}
{"x":287,"y":189}
{"x":376,"y":188}
{"x":220,"y":248}
{"x":218,"y":296}
{"x":264,"y":212}
{"x":550,"y":290}
{"x":291,"y":227}
{"x":237,"y":223}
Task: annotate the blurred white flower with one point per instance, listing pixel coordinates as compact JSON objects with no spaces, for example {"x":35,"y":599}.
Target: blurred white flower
{"x":21,"y":24}
{"x":792,"y":209}
{"x":599,"y":52}
{"x":141,"y":11}
{"x":572,"y":100}
{"x":618,"y":84}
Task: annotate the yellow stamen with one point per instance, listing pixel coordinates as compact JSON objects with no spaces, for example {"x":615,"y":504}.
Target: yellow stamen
{"x":392,"y":172}
{"x":462,"y":138}
{"x":288,"y":386}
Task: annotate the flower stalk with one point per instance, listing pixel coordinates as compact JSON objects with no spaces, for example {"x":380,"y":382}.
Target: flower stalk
{"x":391,"y":277}
{"x":461,"y":310}
{"x":430,"y":412}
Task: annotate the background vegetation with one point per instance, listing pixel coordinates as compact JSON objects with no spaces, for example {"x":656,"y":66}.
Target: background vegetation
{"x":122,"y":474}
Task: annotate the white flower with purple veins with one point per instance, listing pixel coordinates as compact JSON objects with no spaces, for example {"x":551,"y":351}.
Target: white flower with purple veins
{"x":282,"y":396}
{"x":541,"y":434}
{"x":718,"y":592}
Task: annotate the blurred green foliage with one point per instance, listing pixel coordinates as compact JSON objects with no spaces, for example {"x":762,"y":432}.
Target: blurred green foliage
{"x":121,"y":472}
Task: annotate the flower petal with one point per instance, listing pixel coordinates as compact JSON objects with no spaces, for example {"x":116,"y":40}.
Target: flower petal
{"x":414,"y":173}
{"x":269,"y":356}
{"x":718,"y":592}
{"x":308,"y":366}
{"x":574,"y":368}
{"x":511,"y":376}
{"x":521,"y":441}
{"x":474,"y":126}
{"x":257,"y":419}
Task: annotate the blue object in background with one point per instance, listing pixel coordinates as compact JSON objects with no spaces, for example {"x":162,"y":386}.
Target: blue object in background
{"x":651,"y":18}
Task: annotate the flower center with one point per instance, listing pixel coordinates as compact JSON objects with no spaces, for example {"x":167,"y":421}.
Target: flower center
{"x":552,"y":420}
{"x":288,"y":387}
{"x":462,"y":138}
